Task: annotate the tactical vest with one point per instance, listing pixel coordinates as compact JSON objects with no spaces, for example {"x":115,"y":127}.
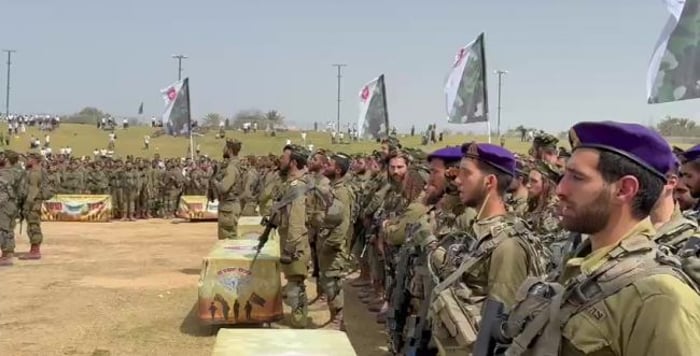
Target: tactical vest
{"x":677,"y":235}
{"x":455,"y":310}
{"x":543,"y":309}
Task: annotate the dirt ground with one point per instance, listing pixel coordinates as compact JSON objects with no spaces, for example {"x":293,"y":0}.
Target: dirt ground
{"x":126,"y":289}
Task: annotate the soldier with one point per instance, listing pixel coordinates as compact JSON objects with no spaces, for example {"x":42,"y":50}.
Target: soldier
{"x":36,"y":195}
{"x":361,"y":184}
{"x":691,"y":172}
{"x":333,"y":237}
{"x":130,"y":191}
{"x":682,"y":195}
{"x":294,"y":235}
{"x":616,"y":290}
{"x":544,"y":148}
{"x":542,"y":199}
{"x":518,"y":191}
{"x":174,"y":182}
{"x":9,"y":201}
{"x":672,"y":228}
{"x":227,"y":186}
{"x":250,"y":202}
{"x":315,"y":210}
{"x":498,"y":257}
{"x":145,"y":188}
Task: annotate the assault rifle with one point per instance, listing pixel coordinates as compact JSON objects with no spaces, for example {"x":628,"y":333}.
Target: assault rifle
{"x":399,"y":307}
{"x":263,"y":238}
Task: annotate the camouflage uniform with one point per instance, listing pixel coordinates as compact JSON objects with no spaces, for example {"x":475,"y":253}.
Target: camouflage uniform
{"x":227,"y":187}
{"x":130,"y":191}
{"x":676,"y":232}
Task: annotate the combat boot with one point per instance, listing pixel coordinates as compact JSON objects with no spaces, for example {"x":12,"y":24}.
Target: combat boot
{"x":33,"y":254}
{"x":336,"y":322}
{"x":6,"y":259}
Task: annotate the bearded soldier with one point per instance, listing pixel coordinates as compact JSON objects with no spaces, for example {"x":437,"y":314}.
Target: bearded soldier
{"x":294,"y":235}
{"x":333,"y":237}
{"x":502,"y":255}
{"x":616,"y":288}
{"x":691,"y":174}
{"x":672,"y":228}
{"x":227,"y":186}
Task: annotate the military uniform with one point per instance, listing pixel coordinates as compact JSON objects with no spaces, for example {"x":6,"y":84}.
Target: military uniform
{"x":332,"y":246}
{"x":8,"y":214}
{"x":676,"y":232}
{"x":614,"y":297}
{"x":227,"y":187}
{"x":295,"y":248}
{"x":32,"y":206}
{"x":490,"y":263}
{"x":130,"y":192}
{"x":316,"y":207}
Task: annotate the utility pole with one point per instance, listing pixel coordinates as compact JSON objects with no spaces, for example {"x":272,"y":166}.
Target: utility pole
{"x":179,"y":58}
{"x":7,"y":91}
{"x":500,"y":74}
{"x":339,"y":66}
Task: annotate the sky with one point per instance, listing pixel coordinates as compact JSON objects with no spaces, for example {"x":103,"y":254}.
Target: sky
{"x":567,"y":61}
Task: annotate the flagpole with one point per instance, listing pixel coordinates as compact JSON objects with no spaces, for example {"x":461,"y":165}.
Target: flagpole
{"x":386,"y":109}
{"x":189,"y":119}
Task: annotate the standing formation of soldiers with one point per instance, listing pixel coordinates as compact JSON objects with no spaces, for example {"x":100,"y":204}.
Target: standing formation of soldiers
{"x":468,"y":249}
{"x":474,"y":249}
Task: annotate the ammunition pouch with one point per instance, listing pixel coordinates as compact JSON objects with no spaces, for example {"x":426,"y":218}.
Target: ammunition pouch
{"x":456,"y":318}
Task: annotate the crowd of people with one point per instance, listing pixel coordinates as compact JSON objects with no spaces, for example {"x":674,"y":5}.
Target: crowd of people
{"x":475,"y":249}
{"x":469,"y":249}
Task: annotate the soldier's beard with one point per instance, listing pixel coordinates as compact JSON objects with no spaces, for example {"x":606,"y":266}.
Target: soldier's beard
{"x":433,"y":195}
{"x":227,"y":155}
{"x":589,"y":219}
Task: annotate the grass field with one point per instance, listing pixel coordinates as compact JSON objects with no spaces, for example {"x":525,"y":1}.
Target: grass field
{"x":83,"y":139}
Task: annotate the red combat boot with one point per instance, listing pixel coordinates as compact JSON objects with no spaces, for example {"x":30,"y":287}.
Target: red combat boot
{"x":33,"y":254}
{"x":6,"y":259}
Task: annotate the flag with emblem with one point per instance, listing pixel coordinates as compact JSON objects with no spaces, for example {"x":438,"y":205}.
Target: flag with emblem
{"x":465,"y":90}
{"x":374,"y":116}
{"x":674,"y":69}
{"x":176,"y":115}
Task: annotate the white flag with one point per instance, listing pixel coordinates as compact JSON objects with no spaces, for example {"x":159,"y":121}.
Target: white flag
{"x":177,"y":106}
{"x":466,"y":98}
{"x":373,"y":119}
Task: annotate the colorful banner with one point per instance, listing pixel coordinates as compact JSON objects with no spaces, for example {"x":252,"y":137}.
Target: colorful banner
{"x":92,"y":208}
{"x":232,"y":290}
{"x":465,"y":90}
{"x":197,"y":208}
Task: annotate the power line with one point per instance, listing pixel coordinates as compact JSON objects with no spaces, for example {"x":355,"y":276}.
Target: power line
{"x":339,"y":66}
{"x":7,"y":90}
{"x":500,"y":74}
{"x":179,"y":58}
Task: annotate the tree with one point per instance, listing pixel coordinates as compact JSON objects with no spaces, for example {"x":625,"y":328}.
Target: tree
{"x":274,"y":117}
{"x":674,"y":126}
{"x":88,"y":115}
{"x":257,"y":116}
{"x":212,"y":119}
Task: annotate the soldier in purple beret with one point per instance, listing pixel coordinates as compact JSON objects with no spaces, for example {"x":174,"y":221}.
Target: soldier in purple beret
{"x":505,"y":253}
{"x":612,"y":181}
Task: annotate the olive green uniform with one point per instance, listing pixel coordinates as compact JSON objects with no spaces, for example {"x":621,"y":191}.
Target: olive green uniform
{"x":295,"y":250}
{"x":227,"y":188}
{"x":652,"y":314}
{"x":32,"y":206}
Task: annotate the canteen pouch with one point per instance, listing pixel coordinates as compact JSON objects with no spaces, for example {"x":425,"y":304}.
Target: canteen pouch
{"x":455,"y":320}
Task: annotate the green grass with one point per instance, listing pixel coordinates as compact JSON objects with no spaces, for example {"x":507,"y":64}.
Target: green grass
{"x":83,"y":139}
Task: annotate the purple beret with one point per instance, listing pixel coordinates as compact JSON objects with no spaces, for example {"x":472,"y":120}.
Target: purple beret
{"x":642,"y":145}
{"x":691,"y":154}
{"x":447,"y":154}
{"x":493,"y":155}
